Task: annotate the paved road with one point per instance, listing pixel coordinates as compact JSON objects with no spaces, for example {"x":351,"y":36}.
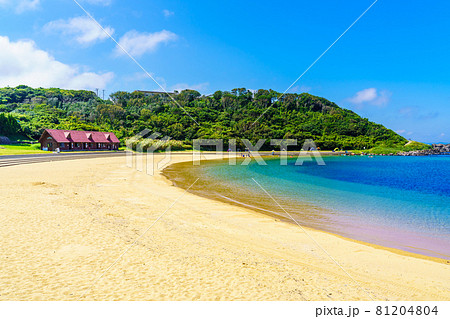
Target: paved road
{"x":12,"y":160}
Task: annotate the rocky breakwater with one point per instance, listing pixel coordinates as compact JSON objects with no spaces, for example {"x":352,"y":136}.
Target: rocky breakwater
{"x":436,"y":149}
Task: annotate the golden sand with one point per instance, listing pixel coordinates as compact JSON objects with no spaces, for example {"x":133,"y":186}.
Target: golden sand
{"x":63,"y":224}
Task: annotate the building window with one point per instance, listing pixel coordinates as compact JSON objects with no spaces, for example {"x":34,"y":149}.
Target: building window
{"x":61,"y":145}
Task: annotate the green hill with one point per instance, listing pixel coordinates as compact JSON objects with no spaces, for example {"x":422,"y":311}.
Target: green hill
{"x":223,"y":115}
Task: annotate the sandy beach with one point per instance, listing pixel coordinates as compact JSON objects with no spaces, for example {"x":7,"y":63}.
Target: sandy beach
{"x":65,"y":225}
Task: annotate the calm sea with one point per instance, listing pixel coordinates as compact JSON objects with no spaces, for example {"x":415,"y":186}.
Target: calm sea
{"x":398,"y":202}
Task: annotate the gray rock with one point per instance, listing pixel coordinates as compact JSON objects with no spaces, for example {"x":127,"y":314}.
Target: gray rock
{"x":4,"y":140}
{"x":437,"y":149}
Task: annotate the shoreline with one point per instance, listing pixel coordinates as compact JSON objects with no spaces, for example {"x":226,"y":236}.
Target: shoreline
{"x":66,"y":222}
{"x":390,"y":249}
{"x":271,"y":214}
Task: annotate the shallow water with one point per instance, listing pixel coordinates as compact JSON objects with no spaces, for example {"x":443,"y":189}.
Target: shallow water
{"x":398,"y":202}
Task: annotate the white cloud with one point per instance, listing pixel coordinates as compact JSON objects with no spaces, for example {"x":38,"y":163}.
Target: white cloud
{"x":85,"y":30}
{"x":138,"y":44}
{"x":363,"y":96}
{"x":21,"y":5}
{"x":168,"y":13}
{"x":201,"y":87}
{"x":400,"y":131}
{"x":25,"y":5}
{"x":21,"y":62}
{"x":370,"y":96}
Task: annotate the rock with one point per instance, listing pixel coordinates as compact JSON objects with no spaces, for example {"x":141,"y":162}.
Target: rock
{"x":4,"y":140}
{"x":437,"y":149}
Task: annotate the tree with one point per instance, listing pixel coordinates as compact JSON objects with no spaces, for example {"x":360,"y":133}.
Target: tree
{"x":8,"y":125}
{"x":188,"y":96}
{"x":110,"y":113}
{"x":226,"y":115}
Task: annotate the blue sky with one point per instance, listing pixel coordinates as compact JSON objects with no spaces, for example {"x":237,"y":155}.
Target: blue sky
{"x":391,"y":67}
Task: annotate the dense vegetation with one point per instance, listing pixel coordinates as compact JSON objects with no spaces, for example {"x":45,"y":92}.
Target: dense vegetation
{"x":8,"y":125}
{"x":223,"y":115}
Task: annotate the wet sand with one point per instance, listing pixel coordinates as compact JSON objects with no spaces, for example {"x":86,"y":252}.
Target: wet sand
{"x":307,"y":214}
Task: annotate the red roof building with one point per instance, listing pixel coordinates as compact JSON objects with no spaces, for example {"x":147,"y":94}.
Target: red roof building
{"x":66,"y":140}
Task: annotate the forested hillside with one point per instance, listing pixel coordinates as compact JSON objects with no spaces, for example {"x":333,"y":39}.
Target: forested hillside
{"x":223,"y":115}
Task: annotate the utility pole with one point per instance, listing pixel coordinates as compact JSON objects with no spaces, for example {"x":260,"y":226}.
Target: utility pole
{"x":96,"y":90}
{"x":103,"y":94}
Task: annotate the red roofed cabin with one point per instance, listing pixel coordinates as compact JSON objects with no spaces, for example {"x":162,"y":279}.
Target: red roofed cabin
{"x":78,"y":141}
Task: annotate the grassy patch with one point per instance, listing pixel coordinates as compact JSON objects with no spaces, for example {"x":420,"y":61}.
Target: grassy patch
{"x":395,"y":148}
{"x":20,"y":149}
{"x":415,"y":146}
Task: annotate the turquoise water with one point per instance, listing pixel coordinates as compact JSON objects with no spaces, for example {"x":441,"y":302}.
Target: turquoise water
{"x":399,"y":202}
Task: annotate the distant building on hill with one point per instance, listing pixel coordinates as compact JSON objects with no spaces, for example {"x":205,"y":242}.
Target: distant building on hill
{"x":67,"y":140}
